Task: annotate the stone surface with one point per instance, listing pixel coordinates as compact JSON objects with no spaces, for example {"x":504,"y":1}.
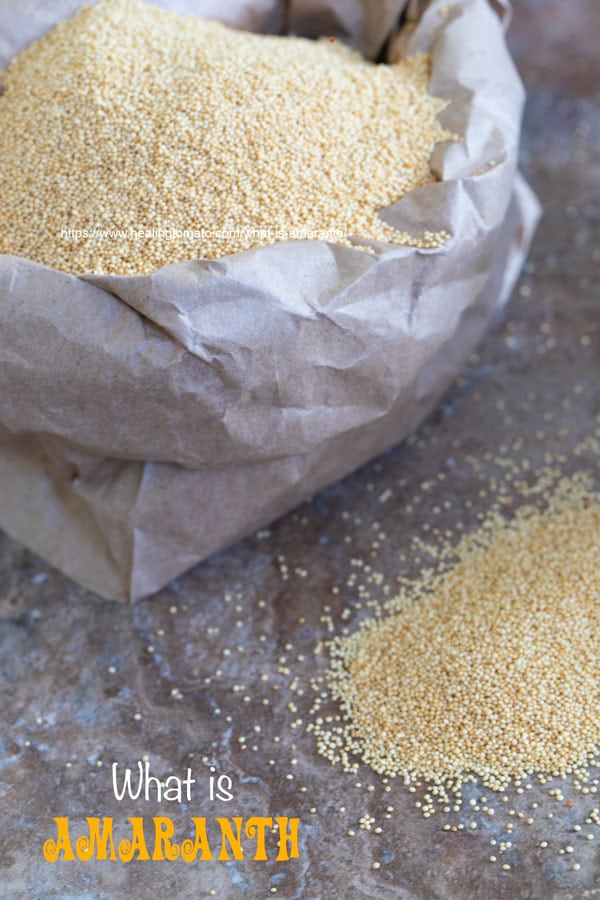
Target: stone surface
{"x":84,"y":682}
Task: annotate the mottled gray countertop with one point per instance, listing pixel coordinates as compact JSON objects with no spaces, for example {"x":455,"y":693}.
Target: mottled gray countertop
{"x":85,"y":682}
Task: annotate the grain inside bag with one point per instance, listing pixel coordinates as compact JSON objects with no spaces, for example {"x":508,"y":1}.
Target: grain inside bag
{"x":137,"y":138}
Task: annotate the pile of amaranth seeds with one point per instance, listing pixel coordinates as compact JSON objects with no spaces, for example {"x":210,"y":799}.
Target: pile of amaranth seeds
{"x":133,"y":138}
{"x":482,"y":675}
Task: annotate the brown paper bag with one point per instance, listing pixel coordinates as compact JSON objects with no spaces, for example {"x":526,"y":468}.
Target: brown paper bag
{"x":148,"y":421}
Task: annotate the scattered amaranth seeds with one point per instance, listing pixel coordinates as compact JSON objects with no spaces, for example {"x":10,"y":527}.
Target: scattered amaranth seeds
{"x":132,"y":117}
{"x":488,"y":666}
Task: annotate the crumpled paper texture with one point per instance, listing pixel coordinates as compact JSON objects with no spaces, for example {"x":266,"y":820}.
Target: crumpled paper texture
{"x":149,"y":421}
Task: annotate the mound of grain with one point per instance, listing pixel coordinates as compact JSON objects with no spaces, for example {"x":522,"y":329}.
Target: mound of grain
{"x":147,"y":132}
{"x":490,"y":666}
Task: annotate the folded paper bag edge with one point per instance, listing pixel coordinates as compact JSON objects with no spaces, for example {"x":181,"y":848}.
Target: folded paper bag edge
{"x":183,"y":516}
